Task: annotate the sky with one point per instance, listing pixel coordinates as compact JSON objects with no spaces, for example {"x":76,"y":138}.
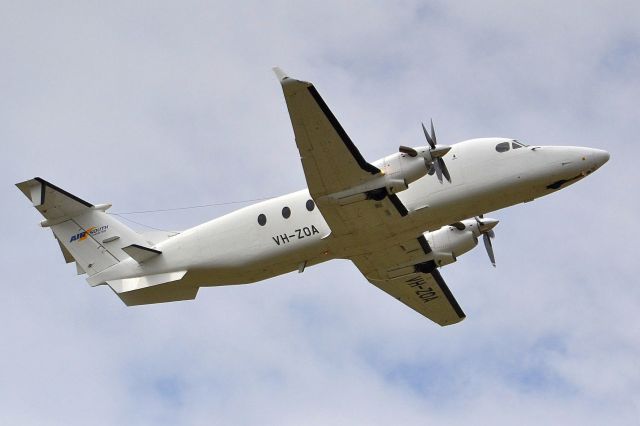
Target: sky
{"x":153,"y":105}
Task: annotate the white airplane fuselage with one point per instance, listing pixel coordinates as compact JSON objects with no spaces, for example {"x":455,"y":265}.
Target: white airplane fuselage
{"x":236,"y":249}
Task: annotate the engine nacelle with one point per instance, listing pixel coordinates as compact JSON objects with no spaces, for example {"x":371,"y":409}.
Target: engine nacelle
{"x":449,"y":242}
{"x":402,"y":167}
{"x":396,"y":185}
{"x":398,"y":171}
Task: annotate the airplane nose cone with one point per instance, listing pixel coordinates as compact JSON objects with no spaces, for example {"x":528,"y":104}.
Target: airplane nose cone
{"x":601,"y":156}
{"x":593,"y":159}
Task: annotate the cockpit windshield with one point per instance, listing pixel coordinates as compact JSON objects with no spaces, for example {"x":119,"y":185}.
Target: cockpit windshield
{"x":507,"y":145}
{"x":502,"y":147}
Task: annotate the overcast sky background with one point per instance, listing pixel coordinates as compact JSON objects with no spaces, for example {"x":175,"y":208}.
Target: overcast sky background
{"x":157,"y":104}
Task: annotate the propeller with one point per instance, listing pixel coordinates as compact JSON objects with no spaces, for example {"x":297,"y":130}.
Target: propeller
{"x":485,"y":226}
{"x":437,"y":153}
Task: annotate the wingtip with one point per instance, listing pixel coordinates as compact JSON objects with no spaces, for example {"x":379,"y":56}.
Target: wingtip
{"x":280,"y":74}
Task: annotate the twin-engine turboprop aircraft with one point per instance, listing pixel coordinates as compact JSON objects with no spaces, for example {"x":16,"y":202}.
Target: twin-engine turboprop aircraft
{"x":399,"y":219}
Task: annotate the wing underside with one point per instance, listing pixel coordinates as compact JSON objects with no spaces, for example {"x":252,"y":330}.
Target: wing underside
{"x":333,"y":164}
{"x":331,"y":161}
{"x":402,"y":272}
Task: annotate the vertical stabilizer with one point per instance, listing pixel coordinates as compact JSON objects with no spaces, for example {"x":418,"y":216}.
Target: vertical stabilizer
{"x":87,"y":234}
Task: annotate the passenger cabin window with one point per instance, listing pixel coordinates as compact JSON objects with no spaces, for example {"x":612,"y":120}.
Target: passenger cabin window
{"x":310,"y":205}
{"x":286,"y":212}
{"x":502,"y":147}
{"x":262,"y":219}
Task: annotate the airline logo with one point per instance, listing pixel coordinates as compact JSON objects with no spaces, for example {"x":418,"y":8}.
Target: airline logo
{"x":93,"y":231}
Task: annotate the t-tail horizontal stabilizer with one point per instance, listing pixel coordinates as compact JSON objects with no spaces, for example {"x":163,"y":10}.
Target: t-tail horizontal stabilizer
{"x":52,"y":202}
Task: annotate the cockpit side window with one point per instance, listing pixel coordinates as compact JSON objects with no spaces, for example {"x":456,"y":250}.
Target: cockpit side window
{"x":517,"y":142}
{"x":502,"y":147}
{"x":515,"y":145}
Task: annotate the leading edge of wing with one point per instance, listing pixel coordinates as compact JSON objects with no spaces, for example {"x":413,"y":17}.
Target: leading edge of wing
{"x":364,"y":165}
{"x":447,"y":293}
{"x":285,"y":81}
{"x":431,"y":267}
{"x":425,"y":293}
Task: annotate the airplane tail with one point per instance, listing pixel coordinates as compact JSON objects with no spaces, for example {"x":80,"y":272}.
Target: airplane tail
{"x":88,"y":236}
{"x":96,"y":241}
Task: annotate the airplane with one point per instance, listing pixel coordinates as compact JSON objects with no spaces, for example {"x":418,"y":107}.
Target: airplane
{"x":398,"y":219}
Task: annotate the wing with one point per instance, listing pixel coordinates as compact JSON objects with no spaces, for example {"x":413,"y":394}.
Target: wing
{"x":331,"y":161}
{"x":333,"y":164}
{"x":402,"y":272}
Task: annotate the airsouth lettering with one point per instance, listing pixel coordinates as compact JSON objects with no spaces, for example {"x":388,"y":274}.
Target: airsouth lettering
{"x":298,"y":234}
{"x":93,"y":231}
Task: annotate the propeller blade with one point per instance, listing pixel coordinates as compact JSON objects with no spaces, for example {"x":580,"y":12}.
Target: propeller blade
{"x":491,"y":233}
{"x":436,"y":166}
{"x":408,"y":150}
{"x":432,"y":144}
{"x":489,"y":247}
{"x":443,"y":166}
{"x":433,"y":134}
